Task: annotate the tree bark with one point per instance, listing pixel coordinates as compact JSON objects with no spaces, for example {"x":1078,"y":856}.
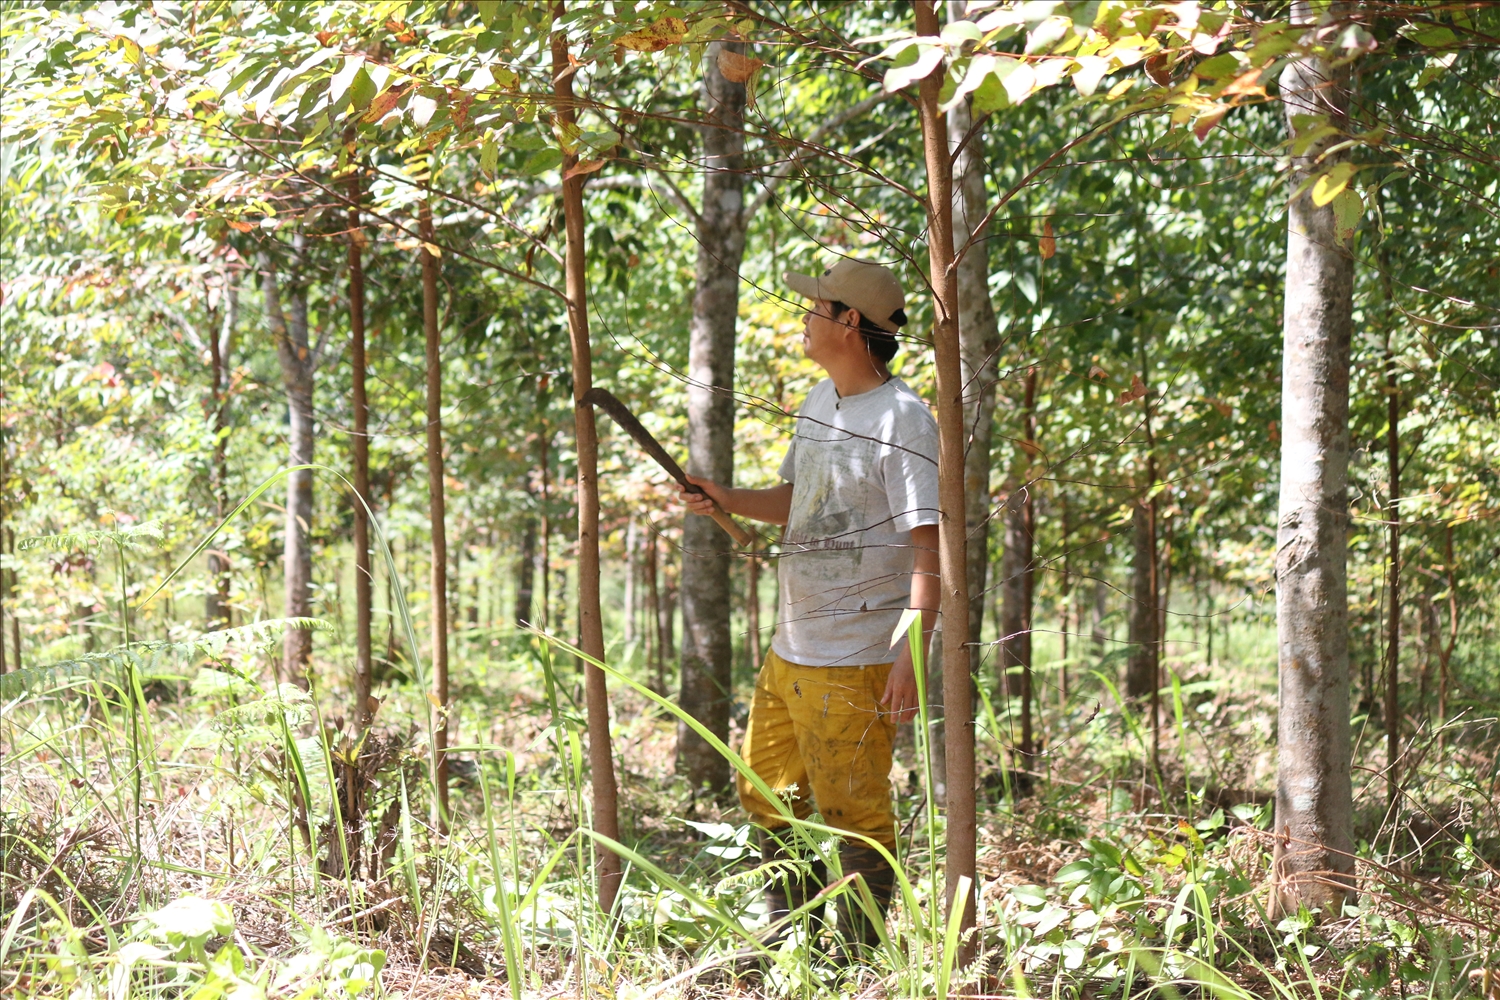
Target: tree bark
{"x":1314,"y":795}
{"x":525,"y":571}
{"x":1393,"y":580}
{"x":632,"y":544}
{"x":298,"y":363}
{"x":606,"y":818}
{"x":979,"y":347}
{"x":707,"y":650}
{"x":216,"y":602}
{"x":653,"y":622}
{"x":436,"y":511}
{"x":1017,"y":568}
{"x":364,"y":708}
{"x":953,"y":547}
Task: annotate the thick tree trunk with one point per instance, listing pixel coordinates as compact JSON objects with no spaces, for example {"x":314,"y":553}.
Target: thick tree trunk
{"x":436,"y":511}
{"x":221,"y":345}
{"x":606,"y":819}
{"x":1141,"y":668}
{"x":1314,"y":796}
{"x":707,"y":651}
{"x":953,"y":544}
{"x":979,"y":347}
{"x":364,"y":706}
{"x":1393,"y":580}
{"x":289,"y":332}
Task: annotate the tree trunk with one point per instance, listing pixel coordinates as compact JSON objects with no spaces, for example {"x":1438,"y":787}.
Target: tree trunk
{"x":1393,"y":580}
{"x":606,"y":817}
{"x":216,"y":602}
{"x":653,"y":622}
{"x":1314,"y":796}
{"x":632,"y":543}
{"x":1445,"y":649}
{"x":289,"y":332}
{"x":953,"y":547}
{"x":1101,"y":608}
{"x":436,"y":511}
{"x":979,"y":347}
{"x":1066,"y":600}
{"x":707,"y":651}
{"x":526,"y":572}
{"x":1140,"y":670}
{"x":364,"y":707}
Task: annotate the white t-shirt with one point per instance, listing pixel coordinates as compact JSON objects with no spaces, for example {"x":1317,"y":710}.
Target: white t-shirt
{"x":864,"y":473}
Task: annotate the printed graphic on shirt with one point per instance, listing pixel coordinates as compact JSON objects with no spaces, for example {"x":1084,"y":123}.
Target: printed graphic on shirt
{"x":864,"y":473}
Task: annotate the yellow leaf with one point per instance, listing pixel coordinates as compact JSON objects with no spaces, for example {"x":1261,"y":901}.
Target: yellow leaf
{"x":382,"y":105}
{"x":1328,"y":186}
{"x":666,"y":32}
{"x":432,"y":248}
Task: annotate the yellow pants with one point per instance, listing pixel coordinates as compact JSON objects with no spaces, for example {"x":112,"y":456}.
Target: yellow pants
{"x":823,"y":731}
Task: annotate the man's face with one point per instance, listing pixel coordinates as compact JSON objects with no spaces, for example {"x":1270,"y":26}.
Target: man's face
{"x":824,"y":334}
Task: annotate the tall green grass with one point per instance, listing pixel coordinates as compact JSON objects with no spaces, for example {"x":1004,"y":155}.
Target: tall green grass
{"x":171,"y":843}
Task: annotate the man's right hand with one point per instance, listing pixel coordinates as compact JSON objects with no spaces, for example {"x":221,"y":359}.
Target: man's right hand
{"x":703,"y":503}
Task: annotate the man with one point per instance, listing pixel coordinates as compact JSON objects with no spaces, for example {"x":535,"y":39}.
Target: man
{"x":860,"y":506}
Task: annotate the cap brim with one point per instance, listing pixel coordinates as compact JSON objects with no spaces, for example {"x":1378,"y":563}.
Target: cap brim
{"x":804,"y":284}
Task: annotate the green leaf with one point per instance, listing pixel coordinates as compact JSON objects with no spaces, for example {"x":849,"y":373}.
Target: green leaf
{"x":1348,"y":206}
{"x":913,"y":64}
{"x":1031,"y":895}
{"x":193,"y":917}
{"x":542,"y":160}
{"x":362,"y":90}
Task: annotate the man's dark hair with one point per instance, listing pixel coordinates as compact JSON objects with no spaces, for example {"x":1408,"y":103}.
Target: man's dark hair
{"x":882,"y":343}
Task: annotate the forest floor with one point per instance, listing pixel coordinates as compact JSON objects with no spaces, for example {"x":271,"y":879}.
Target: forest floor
{"x":183,"y":841}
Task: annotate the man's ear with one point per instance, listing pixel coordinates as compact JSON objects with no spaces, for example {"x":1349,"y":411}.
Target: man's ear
{"x":851,"y":318}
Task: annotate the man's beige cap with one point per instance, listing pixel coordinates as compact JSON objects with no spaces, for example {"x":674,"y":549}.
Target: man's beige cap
{"x":870,"y":288}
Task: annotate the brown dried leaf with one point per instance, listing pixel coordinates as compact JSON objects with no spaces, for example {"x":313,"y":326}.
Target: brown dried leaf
{"x":1048,"y":243}
{"x":736,"y":67}
{"x":583,"y":167}
{"x":1136,"y":391}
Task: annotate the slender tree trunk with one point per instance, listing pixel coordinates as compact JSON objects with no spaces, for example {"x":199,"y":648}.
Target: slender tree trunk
{"x":289,"y":332}
{"x":1445,"y":649}
{"x":591,"y":629}
{"x":1101,"y":608}
{"x":707,"y":651}
{"x":216,"y":602}
{"x":632,"y":543}
{"x":1015,"y":566}
{"x":544,"y":557}
{"x":1314,"y":817}
{"x":979,"y":347}
{"x":1065,"y":599}
{"x":436,"y":511}
{"x":953,"y":547}
{"x":364,"y":706}
{"x":1393,"y":580}
{"x":653,"y":623}
{"x":525,"y":571}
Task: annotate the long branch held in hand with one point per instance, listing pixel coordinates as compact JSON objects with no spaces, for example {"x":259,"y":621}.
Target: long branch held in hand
{"x":621,"y":415}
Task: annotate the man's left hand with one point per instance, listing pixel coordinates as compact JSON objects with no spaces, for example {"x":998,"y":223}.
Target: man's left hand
{"x":900,"y":698}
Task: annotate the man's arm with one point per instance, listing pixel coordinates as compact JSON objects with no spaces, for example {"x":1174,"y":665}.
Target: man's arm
{"x":773,"y":506}
{"x":900,"y":696}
